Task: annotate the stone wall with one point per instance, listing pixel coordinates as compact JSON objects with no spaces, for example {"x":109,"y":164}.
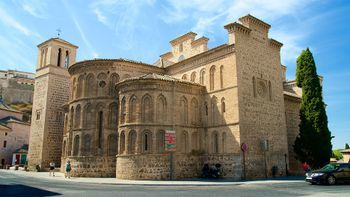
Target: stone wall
{"x":185,"y":166}
{"x":15,"y":92}
{"x":90,"y":166}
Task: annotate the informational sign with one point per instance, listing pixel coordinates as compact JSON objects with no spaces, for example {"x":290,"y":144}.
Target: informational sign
{"x":170,"y":140}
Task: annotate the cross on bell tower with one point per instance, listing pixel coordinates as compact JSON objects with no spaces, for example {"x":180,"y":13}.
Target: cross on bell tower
{"x":58,"y":32}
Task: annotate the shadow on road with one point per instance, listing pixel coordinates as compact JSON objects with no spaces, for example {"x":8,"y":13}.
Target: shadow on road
{"x":23,"y":190}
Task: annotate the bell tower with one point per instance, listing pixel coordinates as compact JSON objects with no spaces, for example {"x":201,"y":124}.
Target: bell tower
{"x":51,"y":92}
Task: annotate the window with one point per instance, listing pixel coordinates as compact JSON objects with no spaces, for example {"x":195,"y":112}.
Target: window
{"x":76,"y":145}
{"x":122,"y":143}
{"x":132,"y":142}
{"x":223,"y":106}
{"x":146,"y":141}
{"x":222,"y":77}
{"x":161,"y":109}
{"x":254,"y":87}
{"x":160,"y":141}
{"x":6,"y":134}
{"x":123,"y":111}
{"x":132,"y":109}
{"x":193,"y":77}
{"x":5,"y":143}
{"x":202,"y":74}
{"x":181,"y":47}
{"x":59,"y":57}
{"x":184,"y":77}
{"x":215,"y":138}
{"x":212,"y":77}
{"x":147,"y":109}
{"x":38,"y":112}
{"x":66,"y":60}
{"x":100,"y":128}
{"x":184,"y":110}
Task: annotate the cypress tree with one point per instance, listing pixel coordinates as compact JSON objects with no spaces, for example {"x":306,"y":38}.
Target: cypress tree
{"x":347,"y":146}
{"x":313,"y":144}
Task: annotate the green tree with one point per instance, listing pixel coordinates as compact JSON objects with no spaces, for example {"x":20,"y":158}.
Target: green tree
{"x":337,"y":154}
{"x":313,"y":144}
{"x":347,"y":146}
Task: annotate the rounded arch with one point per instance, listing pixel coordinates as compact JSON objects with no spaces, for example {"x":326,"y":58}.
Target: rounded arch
{"x":100,"y":108}
{"x":146,"y":141}
{"x":193,"y":76}
{"x":114,"y":79}
{"x":87,"y":115}
{"x":76,"y":145}
{"x":123,"y":110}
{"x":71,"y":117}
{"x":77,"y":116}
{"x":132,"y":108}
{"x":195,"y":111}
{"x":86,"y":144}
{"x":147,"y":108}
{"x":195,"y":140}
{"x":215,"y":142}
{"x":132,"y":142}
{"x":101,"y":84}
{"x":74,"y":86}
{"x":122,"y":143}
{"x":222,"y":76}
{"x":112,"y":144}
{"x":184,"y":142}
{"x":184,"y":77}
{"x":184,"y":110}
{"x":161,"y":108}
{"x":160,"y":138}
{"x":223,"y":105}
{"x":113,"y":115}
{"x":212,"y":77}
{"x":202,"y":76}
{"x":79,"y":89}
{"x":90,"y":86}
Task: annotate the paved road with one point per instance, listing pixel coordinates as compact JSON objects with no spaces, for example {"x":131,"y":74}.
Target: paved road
{"x":15,"y":185}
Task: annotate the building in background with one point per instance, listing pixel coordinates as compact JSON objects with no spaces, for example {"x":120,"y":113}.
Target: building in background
{"x":16,"y":86}
{"x":14,"y":133}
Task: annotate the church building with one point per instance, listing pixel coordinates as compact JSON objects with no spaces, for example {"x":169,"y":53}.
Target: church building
{"x":229,"y":105}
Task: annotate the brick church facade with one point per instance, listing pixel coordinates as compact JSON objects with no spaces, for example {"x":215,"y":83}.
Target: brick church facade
{"x":109,"y":116}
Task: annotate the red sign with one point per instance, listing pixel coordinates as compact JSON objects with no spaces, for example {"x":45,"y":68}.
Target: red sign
{"x":170,"y":140}
{"x":244,"y":147}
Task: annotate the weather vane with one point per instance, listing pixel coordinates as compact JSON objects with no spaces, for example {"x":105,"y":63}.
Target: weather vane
{"x":58,"y":32}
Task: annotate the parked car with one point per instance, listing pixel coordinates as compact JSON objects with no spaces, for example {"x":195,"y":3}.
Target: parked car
{"x":330,"y":174}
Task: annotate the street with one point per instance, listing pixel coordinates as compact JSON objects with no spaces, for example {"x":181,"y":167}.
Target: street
{"x":13,"y":184}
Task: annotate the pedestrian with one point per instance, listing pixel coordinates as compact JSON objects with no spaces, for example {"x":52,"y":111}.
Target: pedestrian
{"x":68,"y":169}
{"x":306,"y":167}
{"x":52,"y":168}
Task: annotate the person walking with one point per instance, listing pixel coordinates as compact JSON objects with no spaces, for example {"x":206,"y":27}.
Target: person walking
{"x":52,"y":168}
{"x":68,"y":169}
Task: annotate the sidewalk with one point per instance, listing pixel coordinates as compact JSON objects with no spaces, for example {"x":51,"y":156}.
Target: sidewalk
{"x":59,"y":176}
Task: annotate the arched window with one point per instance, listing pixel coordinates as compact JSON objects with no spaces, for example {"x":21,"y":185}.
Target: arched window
{"x":59,"y":57}
{"x":77,"y":117}
{"x":122,"y":143}
{"x":184,"y":77}
{"x":100,"y":126}
{"x":195,"y":141}
{"x":182,"y":57}
{"x":161,"y":109}
{"x":112,"y":144}
{"x":184,"y":142}
{"x":76,"y":145}
{"x":215,"y":138}
{"x":71,"y":117}
{"x":132,"y":142}
{"x":74,"y":86}
{"x":223,"y":106}
{"x":193,"y":77}
{"x":132,"y":109}
{"x":206,"y":108}
{"x":147,"y":108}
{"x":146,"y":141}
{"x":195,"y":112}
{"x":254,"y":87}
{"x":184,"y":110}
{"x":123,"y":111}
{"x":161,"y":141}
{"x":90,"y":86}
{"x":221,"y":76}
{"x":212,"y":77}
{"x":80,"y":86}
{"x":213,"y":110}
{"x":66,"y":60}
{"x":223,"y":143}
{"x":202,"y":76}
{"x":114,"y":79}
{"x":87,"y":145}
{"x":87,"y":115}
{"x":101,"y":84}
{"x":113,"y":115}
{"x":270,"y":91}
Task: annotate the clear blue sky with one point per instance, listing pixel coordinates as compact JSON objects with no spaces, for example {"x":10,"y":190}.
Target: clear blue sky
{"x":141,"y":30}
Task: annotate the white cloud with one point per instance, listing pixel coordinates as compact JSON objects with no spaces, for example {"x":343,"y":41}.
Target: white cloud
{"x":13,"y":23}
{"x":36,"y":8}
{"x":80,"y":30}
